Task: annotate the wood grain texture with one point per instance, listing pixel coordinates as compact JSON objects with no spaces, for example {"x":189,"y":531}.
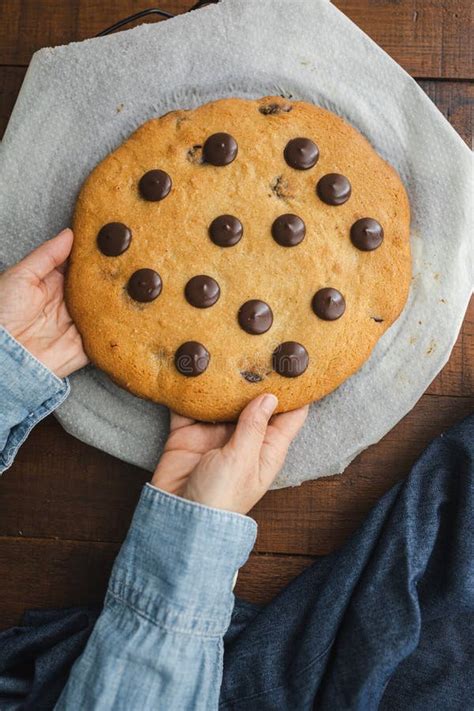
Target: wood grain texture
{"x":51,"y":574}
{"x":265,"y":575}
{"x":62,"y":488}
{"x":61,"y":573}
{"x":429,"y":38}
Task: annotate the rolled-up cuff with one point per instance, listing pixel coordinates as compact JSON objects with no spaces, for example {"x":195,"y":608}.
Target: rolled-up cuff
{"x":29,"y":391}
{"x":178,"y":563}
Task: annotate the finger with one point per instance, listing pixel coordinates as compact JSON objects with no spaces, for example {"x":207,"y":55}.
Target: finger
{"x":178,"y":421}
{"x":252,"y":427}
{"x":290,"y":423}
{"x":283,"y":429}
{"x":48,"y":256}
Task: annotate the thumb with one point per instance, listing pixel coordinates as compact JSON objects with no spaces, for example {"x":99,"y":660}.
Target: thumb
{"x":48,"y":256}
{"x":251,"y":427}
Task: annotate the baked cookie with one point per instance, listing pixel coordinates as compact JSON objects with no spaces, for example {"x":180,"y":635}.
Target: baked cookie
{"x":238,"y":248}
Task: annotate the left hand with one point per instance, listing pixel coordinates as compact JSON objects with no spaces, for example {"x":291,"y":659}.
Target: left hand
{"x":32,"y":307}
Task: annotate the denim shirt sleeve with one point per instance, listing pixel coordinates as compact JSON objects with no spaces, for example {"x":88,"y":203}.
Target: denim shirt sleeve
{"x":158,"y":644}
{"x":28,"y":392}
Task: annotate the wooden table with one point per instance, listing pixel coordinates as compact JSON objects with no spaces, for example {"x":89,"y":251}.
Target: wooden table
{"x":65,"y":507}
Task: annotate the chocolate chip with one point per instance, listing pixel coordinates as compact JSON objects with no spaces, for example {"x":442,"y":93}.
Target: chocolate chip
{"x":367,"y":234}
{"x":272,"y":109}
{"x":377,"y":319}
{"x":226,"y":230}
{"x":290,"y":359}
{"x":144,"y":285}
{"x":334,"y":189}
{"x":255,"y":317}
{"x":328,"y":304}
{"x":301,"y":153}
{"x":288,"y":230}
{"x":154,"y":185}
{"x":114,"y":239}
{"x":220,"y":149}
{"x":202,"y":291}
{"x":251,"y":377}
{"x":191,"y":359}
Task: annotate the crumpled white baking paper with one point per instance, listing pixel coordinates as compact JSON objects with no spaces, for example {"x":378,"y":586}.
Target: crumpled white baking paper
{"x":80,"y":101}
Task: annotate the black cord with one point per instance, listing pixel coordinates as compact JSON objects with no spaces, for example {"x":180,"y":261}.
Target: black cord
{"x":150,"y":11}
{"x":133,"y":18}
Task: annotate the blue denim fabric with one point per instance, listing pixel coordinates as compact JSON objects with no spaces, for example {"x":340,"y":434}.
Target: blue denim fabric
{"x":159,"y":640}
{"x":28,"y":393}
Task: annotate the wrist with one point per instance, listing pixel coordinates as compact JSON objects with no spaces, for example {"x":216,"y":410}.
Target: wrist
{"x":179,"y":561}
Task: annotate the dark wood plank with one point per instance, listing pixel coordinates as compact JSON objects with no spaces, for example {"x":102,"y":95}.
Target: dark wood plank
{"x":429,"y":38}
{"x":455,"y":100}
{"x":31,"y":24}
{"x":11,"y":79}
{"x":265,"y":575}
{"x":56,"y":574}
{"x":61,"y":488}
{"x":51,"y":574}
{"x":457,"y":376}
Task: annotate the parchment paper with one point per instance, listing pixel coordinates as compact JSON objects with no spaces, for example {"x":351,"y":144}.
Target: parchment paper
{"x":81,"y":101}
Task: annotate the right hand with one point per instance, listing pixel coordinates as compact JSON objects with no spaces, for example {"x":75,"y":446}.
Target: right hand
{"x":228,"y":466}
{"x":33,"y":310}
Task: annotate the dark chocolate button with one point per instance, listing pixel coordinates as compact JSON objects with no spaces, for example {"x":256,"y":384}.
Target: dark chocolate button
{"x":114,"y":239}
{"x":301,"y":153}
{"x":290,"y":359}
{"x":191,"y":359}
{"x":144,"y":285}
{"x":251,"y":377}
{"x":154,"y":185}
{"x":288,"y":230}
{"x":220,"y":149}
{"x":334,"y":189}
{"x":202,"y":291}
{"x":329,"y":304}
{"x":226,"y":230}
{"x":255,"y":317}
{"x":367,"y":234}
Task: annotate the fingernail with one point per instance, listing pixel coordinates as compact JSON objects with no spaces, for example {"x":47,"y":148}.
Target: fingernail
{"x":269,"y":404}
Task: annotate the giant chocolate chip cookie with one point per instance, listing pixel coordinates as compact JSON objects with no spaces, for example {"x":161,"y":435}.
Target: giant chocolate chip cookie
{"x":238,"y":248}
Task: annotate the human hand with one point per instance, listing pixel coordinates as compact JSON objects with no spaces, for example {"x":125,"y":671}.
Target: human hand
{"x":228,"y":466}
{"x":33,"y":311}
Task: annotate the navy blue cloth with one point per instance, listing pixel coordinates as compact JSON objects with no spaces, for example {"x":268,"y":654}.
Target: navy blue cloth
{"x":385,"y":622}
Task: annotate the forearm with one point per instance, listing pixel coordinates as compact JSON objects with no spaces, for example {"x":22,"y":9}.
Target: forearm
{"x":158,"y":643}
{"x":28,"y":393}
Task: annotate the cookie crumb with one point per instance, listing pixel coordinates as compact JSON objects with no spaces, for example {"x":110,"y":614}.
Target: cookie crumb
{"x":281,"y":188}
{"x":194,"y":154}
{"x":272,"y":109}
{"x":119,"y":108}
{"x":180,"y":120}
